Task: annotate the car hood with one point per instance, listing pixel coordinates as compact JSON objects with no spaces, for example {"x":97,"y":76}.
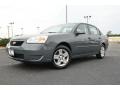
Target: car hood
{"x":24,"y":37}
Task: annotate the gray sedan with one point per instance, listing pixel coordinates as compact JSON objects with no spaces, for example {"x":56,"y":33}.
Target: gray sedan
{"x":59,"y":44}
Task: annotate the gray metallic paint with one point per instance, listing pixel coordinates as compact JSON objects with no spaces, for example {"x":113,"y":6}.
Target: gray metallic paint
{"x":80,"y":45}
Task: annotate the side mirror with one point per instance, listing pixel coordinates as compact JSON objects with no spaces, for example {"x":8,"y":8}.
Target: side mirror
{"x":77,"y":33}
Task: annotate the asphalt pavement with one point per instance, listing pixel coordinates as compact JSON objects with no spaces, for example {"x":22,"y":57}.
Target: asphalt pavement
{"x":81,"y":71}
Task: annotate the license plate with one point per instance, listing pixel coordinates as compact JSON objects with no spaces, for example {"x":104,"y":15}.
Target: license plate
{"x":11,"y":52}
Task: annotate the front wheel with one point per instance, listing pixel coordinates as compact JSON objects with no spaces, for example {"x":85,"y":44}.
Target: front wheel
{"x":101,"y":53}
{"x":61,"y":57}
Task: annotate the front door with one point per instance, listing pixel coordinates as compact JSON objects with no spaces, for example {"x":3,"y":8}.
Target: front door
{"x":81,"y":41}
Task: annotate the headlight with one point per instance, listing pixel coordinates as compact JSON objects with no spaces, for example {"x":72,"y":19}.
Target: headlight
{"x":37,"y":39}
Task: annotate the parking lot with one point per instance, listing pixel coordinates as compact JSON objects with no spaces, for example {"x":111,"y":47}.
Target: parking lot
{"x":84,"y":70}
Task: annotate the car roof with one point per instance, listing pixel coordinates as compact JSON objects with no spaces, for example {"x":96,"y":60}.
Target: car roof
{"x":80,"y":23}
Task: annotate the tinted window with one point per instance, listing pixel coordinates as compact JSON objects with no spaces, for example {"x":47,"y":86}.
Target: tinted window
{"x":93,"y":30}
{"x":82,"y":28}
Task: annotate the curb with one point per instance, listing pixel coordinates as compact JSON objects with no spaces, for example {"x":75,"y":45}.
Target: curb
{"x":2,"y":48}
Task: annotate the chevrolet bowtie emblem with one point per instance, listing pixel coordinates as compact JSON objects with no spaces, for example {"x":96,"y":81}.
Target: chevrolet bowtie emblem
{"x":14,"y":43}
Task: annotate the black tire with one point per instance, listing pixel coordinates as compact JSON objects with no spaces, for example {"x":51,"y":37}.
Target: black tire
{"x":26,"y":63}
{"x":68,"y":61}
{"x":101,"y":55}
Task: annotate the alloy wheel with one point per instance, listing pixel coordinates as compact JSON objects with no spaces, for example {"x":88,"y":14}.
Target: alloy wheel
{"x":102,"y":51}
{"x":61,"y":57}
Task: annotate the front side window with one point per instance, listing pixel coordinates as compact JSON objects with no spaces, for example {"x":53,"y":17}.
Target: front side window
{"x":66,"y":28}
{"x":82,"y":28}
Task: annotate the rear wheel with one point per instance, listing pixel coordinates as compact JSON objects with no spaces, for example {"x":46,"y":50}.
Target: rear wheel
{"x":101,"y":53}
{"x":61,"y":57}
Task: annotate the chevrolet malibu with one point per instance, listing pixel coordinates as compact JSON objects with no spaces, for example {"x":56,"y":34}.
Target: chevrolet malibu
{"x":59,"y":44}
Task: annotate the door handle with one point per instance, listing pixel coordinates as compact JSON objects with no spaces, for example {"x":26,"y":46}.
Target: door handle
{"x":99,"y":38}
{"x":89,"y":38}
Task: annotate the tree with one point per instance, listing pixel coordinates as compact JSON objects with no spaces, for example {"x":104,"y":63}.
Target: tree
{"x":109,"y":33}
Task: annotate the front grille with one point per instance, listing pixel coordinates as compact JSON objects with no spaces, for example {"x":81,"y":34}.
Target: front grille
{"x":20,"y":56}
{"x":16,"y":43}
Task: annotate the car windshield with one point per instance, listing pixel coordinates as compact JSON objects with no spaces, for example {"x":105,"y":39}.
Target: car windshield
{"x":65,"y":28}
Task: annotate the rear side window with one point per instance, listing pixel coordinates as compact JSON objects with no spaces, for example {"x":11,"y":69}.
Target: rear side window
{"x":82,"y":28}
{"x":94,"y":30}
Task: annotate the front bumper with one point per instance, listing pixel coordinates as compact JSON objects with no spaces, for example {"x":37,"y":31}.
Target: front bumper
{"x":31,"y":53}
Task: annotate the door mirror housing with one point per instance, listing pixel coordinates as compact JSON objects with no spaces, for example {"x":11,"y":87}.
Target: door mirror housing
{"x":77,"y":33}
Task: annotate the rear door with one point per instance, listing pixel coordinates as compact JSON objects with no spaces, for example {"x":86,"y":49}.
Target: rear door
{"x":94,"y":38}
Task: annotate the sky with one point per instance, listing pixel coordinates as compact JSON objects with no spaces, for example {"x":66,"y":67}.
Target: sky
{"x":30,"y":14}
